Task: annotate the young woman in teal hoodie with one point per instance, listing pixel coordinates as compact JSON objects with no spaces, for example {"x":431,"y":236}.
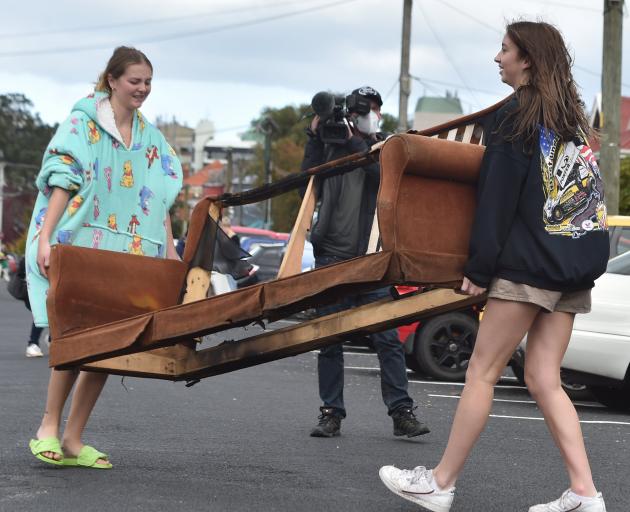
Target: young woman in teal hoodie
{"x":107,"y":181}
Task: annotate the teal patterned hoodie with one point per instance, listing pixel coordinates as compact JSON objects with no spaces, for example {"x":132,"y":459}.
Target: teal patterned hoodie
{"x":119,"y":196}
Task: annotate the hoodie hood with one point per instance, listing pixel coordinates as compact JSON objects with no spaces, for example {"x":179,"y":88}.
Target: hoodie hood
{"x":98,"y":108}
{"x":88,"y":105}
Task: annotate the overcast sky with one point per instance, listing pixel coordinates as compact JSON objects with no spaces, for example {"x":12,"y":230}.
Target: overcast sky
{"x":226,"y":60}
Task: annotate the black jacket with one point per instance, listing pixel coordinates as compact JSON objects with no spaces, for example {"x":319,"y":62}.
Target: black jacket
{"x":540,"y":216}
{"x":346,"y":202}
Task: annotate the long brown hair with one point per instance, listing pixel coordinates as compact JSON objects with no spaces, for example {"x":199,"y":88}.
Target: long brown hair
{"x":122,"y":57}
{"x":550,"y":98}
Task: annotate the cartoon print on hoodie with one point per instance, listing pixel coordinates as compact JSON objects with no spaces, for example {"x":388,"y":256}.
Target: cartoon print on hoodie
{"x":66,"y":165}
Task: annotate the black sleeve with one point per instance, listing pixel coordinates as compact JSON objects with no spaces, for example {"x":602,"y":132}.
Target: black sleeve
{"x":329,"y":195}
{"x":357,"y":144}
{"x":313,"y":156}
{"x":503,"y":172}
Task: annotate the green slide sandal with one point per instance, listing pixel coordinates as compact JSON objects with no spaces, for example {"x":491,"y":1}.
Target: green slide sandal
{"x":87,"y":459}
{"x":48,"y":444}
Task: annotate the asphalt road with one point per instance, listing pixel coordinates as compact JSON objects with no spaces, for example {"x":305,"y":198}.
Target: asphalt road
{"x":239,"y":442}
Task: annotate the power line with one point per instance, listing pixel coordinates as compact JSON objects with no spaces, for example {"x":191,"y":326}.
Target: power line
{"x":437,"y":38}
{"x":452,"y":84}
{"x":150,"y":21}
{"x":570,"y":6}
{"x":493,"y":29}
{"x":391,"y":89}
{"x":177,"y":35}
{"x":469,"y":16}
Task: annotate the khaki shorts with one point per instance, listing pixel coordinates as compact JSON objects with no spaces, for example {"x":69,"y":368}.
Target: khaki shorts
{"x":567,"y":302}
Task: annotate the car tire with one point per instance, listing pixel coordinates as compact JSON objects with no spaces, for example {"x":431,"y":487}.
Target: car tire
{"x":615,"y":398}
{"x":574,"y":390}
{"x":517,"y":364}
{"x":444,"y":344}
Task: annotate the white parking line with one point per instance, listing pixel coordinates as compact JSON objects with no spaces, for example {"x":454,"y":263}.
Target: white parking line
{"x":437,"y":383}
{"x":581,"y":404}
{"x":594,"y":422}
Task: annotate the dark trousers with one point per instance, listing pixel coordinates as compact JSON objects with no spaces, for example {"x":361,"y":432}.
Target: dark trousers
{"x":389,"y":349}
{"x":36,"y":332}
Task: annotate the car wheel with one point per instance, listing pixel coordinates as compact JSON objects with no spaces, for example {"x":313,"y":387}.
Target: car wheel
{"x":575,"y":390}
{"x":444,"y":345}
{"x":517,"y":363}
{"x":615,"y":398}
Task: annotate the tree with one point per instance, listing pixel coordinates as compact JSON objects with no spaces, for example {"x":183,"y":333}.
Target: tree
{"x":287,"y":150}
{"x":23,"y":139}
{"x":389,"y":123}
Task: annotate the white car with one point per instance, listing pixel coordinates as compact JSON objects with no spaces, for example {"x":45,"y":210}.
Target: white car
{"x":598,"y":356}
{"x":599,"y":351}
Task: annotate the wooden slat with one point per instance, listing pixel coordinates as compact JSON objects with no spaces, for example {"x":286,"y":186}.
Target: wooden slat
{"x":322,"y":331}
{"x":375,"y":235}
{"x":292,"y":260}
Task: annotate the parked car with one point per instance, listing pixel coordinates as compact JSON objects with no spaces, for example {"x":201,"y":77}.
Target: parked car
{"x":598,"y":356}
{"x":441,"y":346}
{"x":619,"y":231}
{"x":250,"y":236}
{"x":267,"y":258}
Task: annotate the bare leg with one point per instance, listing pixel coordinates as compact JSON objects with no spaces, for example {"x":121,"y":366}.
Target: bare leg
{"x":59,"y":387}
{"x":503,"y":326}
{"x":86,"y":393}
{"x":546,"y":344}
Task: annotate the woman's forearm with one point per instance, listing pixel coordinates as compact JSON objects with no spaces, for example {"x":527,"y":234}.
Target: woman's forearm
{"x":171,"y":253}
{"x":56,"y":206}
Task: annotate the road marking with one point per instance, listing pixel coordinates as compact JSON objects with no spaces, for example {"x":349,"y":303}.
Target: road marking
{"x":581,"y":404}
{"x":437,"y":383}
{"x":594,"y":422}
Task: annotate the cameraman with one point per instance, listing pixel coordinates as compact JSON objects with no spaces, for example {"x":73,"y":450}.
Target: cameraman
{"x":346,"y":211}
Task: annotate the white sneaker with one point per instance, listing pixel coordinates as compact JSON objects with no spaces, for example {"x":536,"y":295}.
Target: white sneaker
{"x":417,"y":485}
{"x":33,"y":351}
{"x":570,"y":501}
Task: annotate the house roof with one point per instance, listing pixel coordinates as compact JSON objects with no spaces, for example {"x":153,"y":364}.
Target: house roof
{"x":442,"y":105}
{"x":204,"y":175}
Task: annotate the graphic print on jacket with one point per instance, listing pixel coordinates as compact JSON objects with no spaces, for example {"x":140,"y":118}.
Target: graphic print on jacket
{"x":573,"y":187}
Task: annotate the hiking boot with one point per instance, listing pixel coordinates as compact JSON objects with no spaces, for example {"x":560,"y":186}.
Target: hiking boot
{"x":406,"y":423}
{"x":417,"y":485}
{"x":34,"y":351}
{"x":329,"y":423}
{"x":571,"y":501}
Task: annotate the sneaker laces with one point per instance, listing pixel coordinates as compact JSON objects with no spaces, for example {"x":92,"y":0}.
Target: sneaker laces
{"x":415,"y":475}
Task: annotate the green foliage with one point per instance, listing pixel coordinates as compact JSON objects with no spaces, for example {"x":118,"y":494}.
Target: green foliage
{"x":23,"y":140}
{"x":287,"y":150}
{"x":624,"y":186}
{"x":389,"y":123}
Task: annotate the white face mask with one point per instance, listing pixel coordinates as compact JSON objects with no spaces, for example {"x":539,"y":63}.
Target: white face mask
{"x":368,"y":123}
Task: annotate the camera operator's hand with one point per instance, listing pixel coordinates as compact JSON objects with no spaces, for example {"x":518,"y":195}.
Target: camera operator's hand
{"x":315,"y":124}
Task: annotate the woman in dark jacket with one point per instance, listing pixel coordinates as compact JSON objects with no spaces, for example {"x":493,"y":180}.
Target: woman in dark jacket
{"x":539,"y":241}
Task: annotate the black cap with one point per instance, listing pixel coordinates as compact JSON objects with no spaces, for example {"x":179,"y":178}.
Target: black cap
{"x":370,"y":93}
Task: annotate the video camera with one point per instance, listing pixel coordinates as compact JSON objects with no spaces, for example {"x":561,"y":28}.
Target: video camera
{"x":333,"y":111}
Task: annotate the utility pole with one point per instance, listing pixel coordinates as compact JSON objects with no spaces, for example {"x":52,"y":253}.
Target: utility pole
{"x":229,"y":170}
{"x":404,"y":80}
{"x":611,"y":101}
{"x":267,"y":127}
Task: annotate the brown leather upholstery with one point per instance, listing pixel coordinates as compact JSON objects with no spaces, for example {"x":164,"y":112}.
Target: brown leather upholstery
{"x":425,"y":209}
{"x":426,"y":205}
